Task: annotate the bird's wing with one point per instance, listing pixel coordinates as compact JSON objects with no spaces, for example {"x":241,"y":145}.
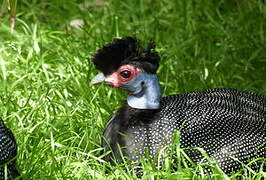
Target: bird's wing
{"x":8,"y":146}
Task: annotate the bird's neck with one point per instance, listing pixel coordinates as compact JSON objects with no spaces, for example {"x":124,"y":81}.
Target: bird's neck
{"x":149,"y":96}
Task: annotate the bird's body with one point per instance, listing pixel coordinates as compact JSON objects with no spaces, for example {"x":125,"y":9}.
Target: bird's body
{"x":232,"y":127}
{"x":228,"y":124}
{"x":8,"y":152}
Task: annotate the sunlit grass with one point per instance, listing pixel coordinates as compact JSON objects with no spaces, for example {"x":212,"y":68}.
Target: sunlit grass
{"x":58,"y":117}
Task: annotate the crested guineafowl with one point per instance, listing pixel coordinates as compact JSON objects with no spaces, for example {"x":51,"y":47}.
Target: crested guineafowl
{"x":230,"y":125}
{"x":8,"y":152}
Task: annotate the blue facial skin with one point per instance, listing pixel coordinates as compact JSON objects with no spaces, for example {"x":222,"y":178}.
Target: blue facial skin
{"x":145,"y":91}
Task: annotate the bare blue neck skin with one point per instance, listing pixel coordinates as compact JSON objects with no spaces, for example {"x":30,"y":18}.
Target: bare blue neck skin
{"x":145,"y":92}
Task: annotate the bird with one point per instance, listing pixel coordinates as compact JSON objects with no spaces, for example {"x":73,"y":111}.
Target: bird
{"x":8,"y":153}
{"x":228,"y":124}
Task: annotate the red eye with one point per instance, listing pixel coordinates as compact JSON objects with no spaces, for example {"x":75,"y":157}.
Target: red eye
{"x":125,"y":74}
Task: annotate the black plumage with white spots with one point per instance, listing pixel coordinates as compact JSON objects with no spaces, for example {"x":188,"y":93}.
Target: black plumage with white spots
{"x":8,"y":152}
{"x":228,"y":124}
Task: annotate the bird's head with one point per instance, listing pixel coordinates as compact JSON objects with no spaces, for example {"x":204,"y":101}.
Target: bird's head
{"x":125,"y":65}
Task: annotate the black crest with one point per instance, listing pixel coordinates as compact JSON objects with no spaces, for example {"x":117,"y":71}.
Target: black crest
{"x":126,"y":51}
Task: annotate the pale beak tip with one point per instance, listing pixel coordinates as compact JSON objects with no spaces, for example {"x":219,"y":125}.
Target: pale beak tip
{"x":99,"y":78}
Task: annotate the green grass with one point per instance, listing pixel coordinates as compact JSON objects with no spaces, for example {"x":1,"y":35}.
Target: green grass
{"x":58,"y":117}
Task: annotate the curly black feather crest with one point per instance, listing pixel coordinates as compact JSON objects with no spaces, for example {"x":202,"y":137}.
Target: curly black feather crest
{"x":126,"y":51}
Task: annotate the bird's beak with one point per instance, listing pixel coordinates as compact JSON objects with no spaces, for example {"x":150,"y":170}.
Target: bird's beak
{"x":99,"y":78}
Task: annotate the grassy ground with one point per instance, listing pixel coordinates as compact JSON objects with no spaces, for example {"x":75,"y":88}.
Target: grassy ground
{"x":58,"y":118}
